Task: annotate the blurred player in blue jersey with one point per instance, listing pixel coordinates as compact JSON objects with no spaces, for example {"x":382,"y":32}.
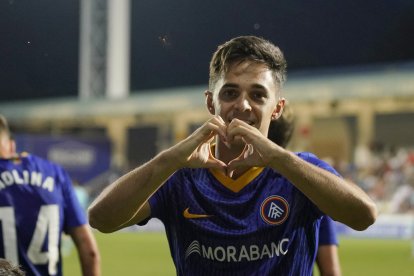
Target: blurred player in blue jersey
{"x":37,"y":203}
{"x":243,"y":206}
{"x":327,"y":258}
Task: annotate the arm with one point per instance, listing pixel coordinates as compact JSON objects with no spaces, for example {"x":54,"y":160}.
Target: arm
{"x":336,"y":197}
{"x":87,"y":250}
{"x":340,"y":199}
{"x":125,"y":202}
{"x":328,"y":261}
{"x":121,"y":203}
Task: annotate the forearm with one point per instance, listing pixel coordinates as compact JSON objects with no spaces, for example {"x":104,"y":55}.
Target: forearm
{"x":90,"y":268}
{"x":121,"y":201}
{"x":343,"y":201}
{"x":88,"y":252}
{"x":90,"y":262}
{"x":327,"y":260}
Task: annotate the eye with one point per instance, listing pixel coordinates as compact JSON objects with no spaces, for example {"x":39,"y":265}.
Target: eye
{"x":258,"y":95}
{"x":229,"y":94}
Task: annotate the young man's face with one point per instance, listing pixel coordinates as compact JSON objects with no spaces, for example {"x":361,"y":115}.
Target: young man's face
{"x":6,"y":146}
{"x":247,"y":92}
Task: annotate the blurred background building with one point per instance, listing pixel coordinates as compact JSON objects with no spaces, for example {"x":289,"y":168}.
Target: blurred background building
{"x":100,"y":86}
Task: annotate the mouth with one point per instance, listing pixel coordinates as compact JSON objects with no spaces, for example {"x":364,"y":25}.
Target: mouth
{"x":249,"y":122}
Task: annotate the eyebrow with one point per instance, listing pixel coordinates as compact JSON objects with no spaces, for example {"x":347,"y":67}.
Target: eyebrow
{"x":259,"y":86}
{"x":232,"y":85}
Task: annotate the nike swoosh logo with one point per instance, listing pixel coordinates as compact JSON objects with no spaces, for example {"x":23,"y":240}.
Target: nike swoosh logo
{"x":189,"y":215}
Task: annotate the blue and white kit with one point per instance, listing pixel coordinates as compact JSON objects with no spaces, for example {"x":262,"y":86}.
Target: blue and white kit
{"x":37,"y":203}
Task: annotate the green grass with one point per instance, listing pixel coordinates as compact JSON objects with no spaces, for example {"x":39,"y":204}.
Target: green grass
{"x":126,"y":253}
{"x":360,"y":257}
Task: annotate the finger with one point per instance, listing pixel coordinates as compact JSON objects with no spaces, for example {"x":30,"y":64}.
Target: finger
{"x":216,"y":164}
{"x":206,"y":132}
{"x":218,"y":117}
{"x":234,"y":165}
{"x":240,"y":161}
{"x":203,"y":152}
{"x":229,"y":172}
{"x":248,"y":150}
{"x":222,"y":127}
{"x":249,"y":134}
{"x":217,"y":127}
{"x":238,"y":128}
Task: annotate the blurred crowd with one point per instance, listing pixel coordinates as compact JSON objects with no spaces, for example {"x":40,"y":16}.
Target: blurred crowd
{"x":386,"y":174}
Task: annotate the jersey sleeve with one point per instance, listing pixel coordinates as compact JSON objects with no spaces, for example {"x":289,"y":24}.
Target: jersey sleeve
{"x":311,"y":158}
{"x":73,"y":212}
{"x":327,"y":232}
{"x":159,"y":200}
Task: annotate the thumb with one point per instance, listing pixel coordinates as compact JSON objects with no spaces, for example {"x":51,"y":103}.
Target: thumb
{"x":234,"y":164}
{"x":216,"y":164}
{"x":241,"y":160}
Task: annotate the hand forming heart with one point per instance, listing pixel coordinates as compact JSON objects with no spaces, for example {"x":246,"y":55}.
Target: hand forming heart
{"x":197,"y":147}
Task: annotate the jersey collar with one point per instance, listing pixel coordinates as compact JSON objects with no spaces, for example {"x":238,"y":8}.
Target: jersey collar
{"x":236,"y":185}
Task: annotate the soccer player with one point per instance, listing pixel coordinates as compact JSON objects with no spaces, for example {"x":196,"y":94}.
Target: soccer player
{"x":327,"y":258}
{"x":243,"y":206}
{"x":38,"y":203}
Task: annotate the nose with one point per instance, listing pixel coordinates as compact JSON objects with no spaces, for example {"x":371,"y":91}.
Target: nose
{"x":243,"y":104}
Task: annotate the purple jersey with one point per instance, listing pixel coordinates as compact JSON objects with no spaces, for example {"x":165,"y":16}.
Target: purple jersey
{"x":37,"y":203}
{"x":258,"y":224}
{"x":327,"y":232}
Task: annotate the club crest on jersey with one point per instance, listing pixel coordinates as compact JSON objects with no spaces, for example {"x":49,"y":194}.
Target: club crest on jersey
{"x":274,"y":210}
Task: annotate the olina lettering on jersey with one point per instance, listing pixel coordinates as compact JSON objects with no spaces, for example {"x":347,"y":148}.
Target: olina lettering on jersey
{"x":8,"y":178}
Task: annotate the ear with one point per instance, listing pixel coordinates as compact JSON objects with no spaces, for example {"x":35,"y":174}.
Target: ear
{"x":209,"y":102}
{"x":277,"y":112}
{"x":7,"y":147}
{"x":13,"y":147}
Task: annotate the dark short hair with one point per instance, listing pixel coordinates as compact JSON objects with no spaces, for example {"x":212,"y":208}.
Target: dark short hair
{"x":244,"y":48}
{"x":281,"y":130}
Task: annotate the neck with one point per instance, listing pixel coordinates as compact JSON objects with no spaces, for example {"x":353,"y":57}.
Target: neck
{"x":226,"y":154}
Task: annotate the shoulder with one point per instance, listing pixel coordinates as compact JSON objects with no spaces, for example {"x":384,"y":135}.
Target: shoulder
{"x":34,"y":162}
{"x":313,"y":159}
{"x":308,"y":156}
{"x":184,"y":178}
{"x":41,"y":160}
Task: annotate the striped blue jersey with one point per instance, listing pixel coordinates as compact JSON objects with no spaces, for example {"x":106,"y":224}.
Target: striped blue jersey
{"x":37,"y":203}
{"x":258,"y":224}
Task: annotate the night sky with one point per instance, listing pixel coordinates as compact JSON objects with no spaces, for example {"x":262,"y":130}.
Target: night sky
{"x":172,"y":41}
